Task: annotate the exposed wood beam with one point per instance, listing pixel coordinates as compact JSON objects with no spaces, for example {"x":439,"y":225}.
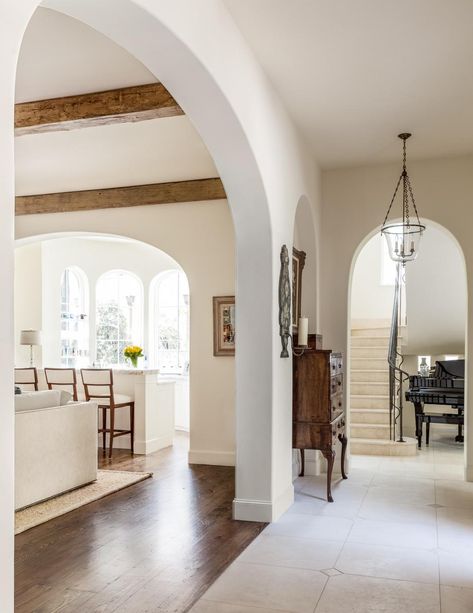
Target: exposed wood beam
{"x":127,"y":104}
{"x":118,"y":197}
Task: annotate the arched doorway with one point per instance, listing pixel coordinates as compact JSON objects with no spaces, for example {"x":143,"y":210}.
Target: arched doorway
{"x":433,"y":327}
{"x":91,"y":295}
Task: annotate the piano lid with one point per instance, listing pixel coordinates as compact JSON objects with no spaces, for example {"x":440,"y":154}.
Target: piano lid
{"x":450,"y":368}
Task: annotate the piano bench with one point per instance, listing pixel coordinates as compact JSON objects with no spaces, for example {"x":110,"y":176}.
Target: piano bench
{"x":438,"y":418}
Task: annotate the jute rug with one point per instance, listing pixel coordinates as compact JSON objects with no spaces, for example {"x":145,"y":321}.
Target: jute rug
{"x":108,"y":482}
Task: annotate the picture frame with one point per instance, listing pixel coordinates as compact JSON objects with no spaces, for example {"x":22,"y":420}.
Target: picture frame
{"x":224,"y":325}
{"x":298,"y":263}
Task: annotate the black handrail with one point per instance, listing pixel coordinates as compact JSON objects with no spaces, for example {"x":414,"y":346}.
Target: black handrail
{"x":397,"y":375}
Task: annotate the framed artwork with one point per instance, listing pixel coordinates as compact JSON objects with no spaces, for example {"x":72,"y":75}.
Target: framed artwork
{"x":298,"y":262}
{"x":224,"y":325}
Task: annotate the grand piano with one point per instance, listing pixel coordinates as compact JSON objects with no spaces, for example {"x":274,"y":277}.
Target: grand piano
{"x":446,"y":386}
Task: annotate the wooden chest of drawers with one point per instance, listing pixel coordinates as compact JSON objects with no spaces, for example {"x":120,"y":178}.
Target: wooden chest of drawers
{"x":318,"y":414}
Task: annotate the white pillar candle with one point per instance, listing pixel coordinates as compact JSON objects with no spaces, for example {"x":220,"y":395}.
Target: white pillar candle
{"x":302,"y":331}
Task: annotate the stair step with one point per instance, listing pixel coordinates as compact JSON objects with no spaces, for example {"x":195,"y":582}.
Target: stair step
{"x":370,"y":331}
{"x":363,"y":363}
{"x":371,"y":431}
{"x":370,"y":352}
{"x":363,"y":401}
{"x":364,"y":375}
{"x":384,"y":447}
{"x":369,"y":341}
{"x":386,"y":331}
{"x":370,"y":416}
{"x":369,"y":388}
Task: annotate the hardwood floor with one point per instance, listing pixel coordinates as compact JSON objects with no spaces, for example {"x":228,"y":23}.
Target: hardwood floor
{"x":155,"y":546}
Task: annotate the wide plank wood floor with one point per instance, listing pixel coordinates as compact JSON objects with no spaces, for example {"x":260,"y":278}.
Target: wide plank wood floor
{"x":153,"y":547}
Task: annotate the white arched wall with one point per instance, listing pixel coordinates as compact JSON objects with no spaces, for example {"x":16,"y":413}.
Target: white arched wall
{"x":305,"y":239}
{"x":354,"y":200}
{"x":204,"y":248}
{"x":199,"y":54}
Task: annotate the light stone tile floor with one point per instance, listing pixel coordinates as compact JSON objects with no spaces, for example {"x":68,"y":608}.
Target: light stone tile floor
{"x":398,"y":538}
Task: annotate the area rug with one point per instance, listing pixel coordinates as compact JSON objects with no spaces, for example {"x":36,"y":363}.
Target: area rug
{"x":108,"y":482}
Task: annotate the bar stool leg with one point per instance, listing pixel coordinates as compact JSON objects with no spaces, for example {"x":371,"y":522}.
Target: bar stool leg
{"x":132,"y":426}
{"x":112,"y":430}
{"x":104,"y":427}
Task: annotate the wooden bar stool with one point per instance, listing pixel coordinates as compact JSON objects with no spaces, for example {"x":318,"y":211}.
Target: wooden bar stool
{"x":98,"y":385}
{"x":27,"y":377}
{"x":62,"y":378}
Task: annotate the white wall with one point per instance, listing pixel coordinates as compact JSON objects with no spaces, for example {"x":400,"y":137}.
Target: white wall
{"x":200,"y":238}
{"x":305,"y":240}
{"x":436,"y":297}
{"x":28,"y":300}
{"x":369,"y":298}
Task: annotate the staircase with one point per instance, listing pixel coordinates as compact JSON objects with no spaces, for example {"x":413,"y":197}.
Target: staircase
{"x":369,"y":396}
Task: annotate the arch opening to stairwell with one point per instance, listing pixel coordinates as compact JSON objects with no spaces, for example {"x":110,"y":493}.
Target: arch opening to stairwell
{"x":433,"y":317}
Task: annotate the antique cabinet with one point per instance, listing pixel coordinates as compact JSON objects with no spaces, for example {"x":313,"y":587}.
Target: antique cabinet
{"x":318,"y":414}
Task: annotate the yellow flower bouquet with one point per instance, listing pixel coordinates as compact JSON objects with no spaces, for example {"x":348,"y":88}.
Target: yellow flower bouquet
{"x":132,"y":353}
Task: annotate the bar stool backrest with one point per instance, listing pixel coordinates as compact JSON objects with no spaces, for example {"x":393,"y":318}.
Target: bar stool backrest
{"x":62,"y":378}
{"x":27,"y":377}
{"x":98,"y":383}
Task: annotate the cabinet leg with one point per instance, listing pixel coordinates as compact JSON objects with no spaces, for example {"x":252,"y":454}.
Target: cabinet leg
{"x":301,"y":474}
{"x":343,"y":439}
{"x":329,"y":455}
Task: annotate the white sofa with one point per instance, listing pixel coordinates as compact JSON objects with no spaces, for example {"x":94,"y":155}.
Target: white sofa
{"x":55,"y":445}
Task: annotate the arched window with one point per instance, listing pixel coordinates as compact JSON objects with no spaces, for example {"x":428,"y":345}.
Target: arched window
{"x":170,"y":342}
{"x":74,"y":324}
{"x":119,"y":316}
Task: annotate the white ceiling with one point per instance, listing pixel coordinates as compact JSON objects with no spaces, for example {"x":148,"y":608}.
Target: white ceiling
{"x":351,"y":74}
{"x":62,"y":56}
{"x":355,"y":73}
{"x":152,"y":151}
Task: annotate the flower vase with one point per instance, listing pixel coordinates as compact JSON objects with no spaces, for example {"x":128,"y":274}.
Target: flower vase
{"x":134,"y":361}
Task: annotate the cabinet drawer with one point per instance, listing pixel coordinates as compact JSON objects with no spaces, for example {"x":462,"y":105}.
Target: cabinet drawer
{"x":336,"y":403}
{"x":338,"y":428}
{"x":336,"y":364}
{"x":336,"y":384}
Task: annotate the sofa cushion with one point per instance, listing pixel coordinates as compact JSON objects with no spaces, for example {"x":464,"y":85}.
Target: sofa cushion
{"x":31,"y":401}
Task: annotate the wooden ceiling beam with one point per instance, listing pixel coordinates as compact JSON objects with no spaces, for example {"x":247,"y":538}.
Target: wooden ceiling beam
{"x":118,"y":197}
{"x":128,"y":104}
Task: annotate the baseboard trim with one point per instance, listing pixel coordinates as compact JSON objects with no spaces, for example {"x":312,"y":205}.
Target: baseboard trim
{"x":213,"y":458}
{"x":152,"y":445}
{"x":263,"y":510}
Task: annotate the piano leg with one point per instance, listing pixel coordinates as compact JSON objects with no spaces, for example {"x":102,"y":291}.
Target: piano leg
{"x":419,"y":429}
{"x":459,"y":437}
{"x":427,"y":432}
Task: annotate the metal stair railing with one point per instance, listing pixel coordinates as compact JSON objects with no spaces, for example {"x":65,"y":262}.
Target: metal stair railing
{"x":397,"y":376}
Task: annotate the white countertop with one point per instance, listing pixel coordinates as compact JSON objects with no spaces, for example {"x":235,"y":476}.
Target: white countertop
{"x":136,"y":371}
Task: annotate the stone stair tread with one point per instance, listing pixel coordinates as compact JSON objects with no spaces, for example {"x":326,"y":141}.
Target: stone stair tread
{"x":369,"y":395}
{"x":369,"y":369}
{"x":372,"y":441}
{"x":371,"y":410}
{"x":368,"y":425}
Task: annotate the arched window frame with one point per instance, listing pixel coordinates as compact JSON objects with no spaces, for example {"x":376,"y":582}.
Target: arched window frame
{"x":133,"y":313}
{"x":74,"y":324}
{"x":179,"y":364}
